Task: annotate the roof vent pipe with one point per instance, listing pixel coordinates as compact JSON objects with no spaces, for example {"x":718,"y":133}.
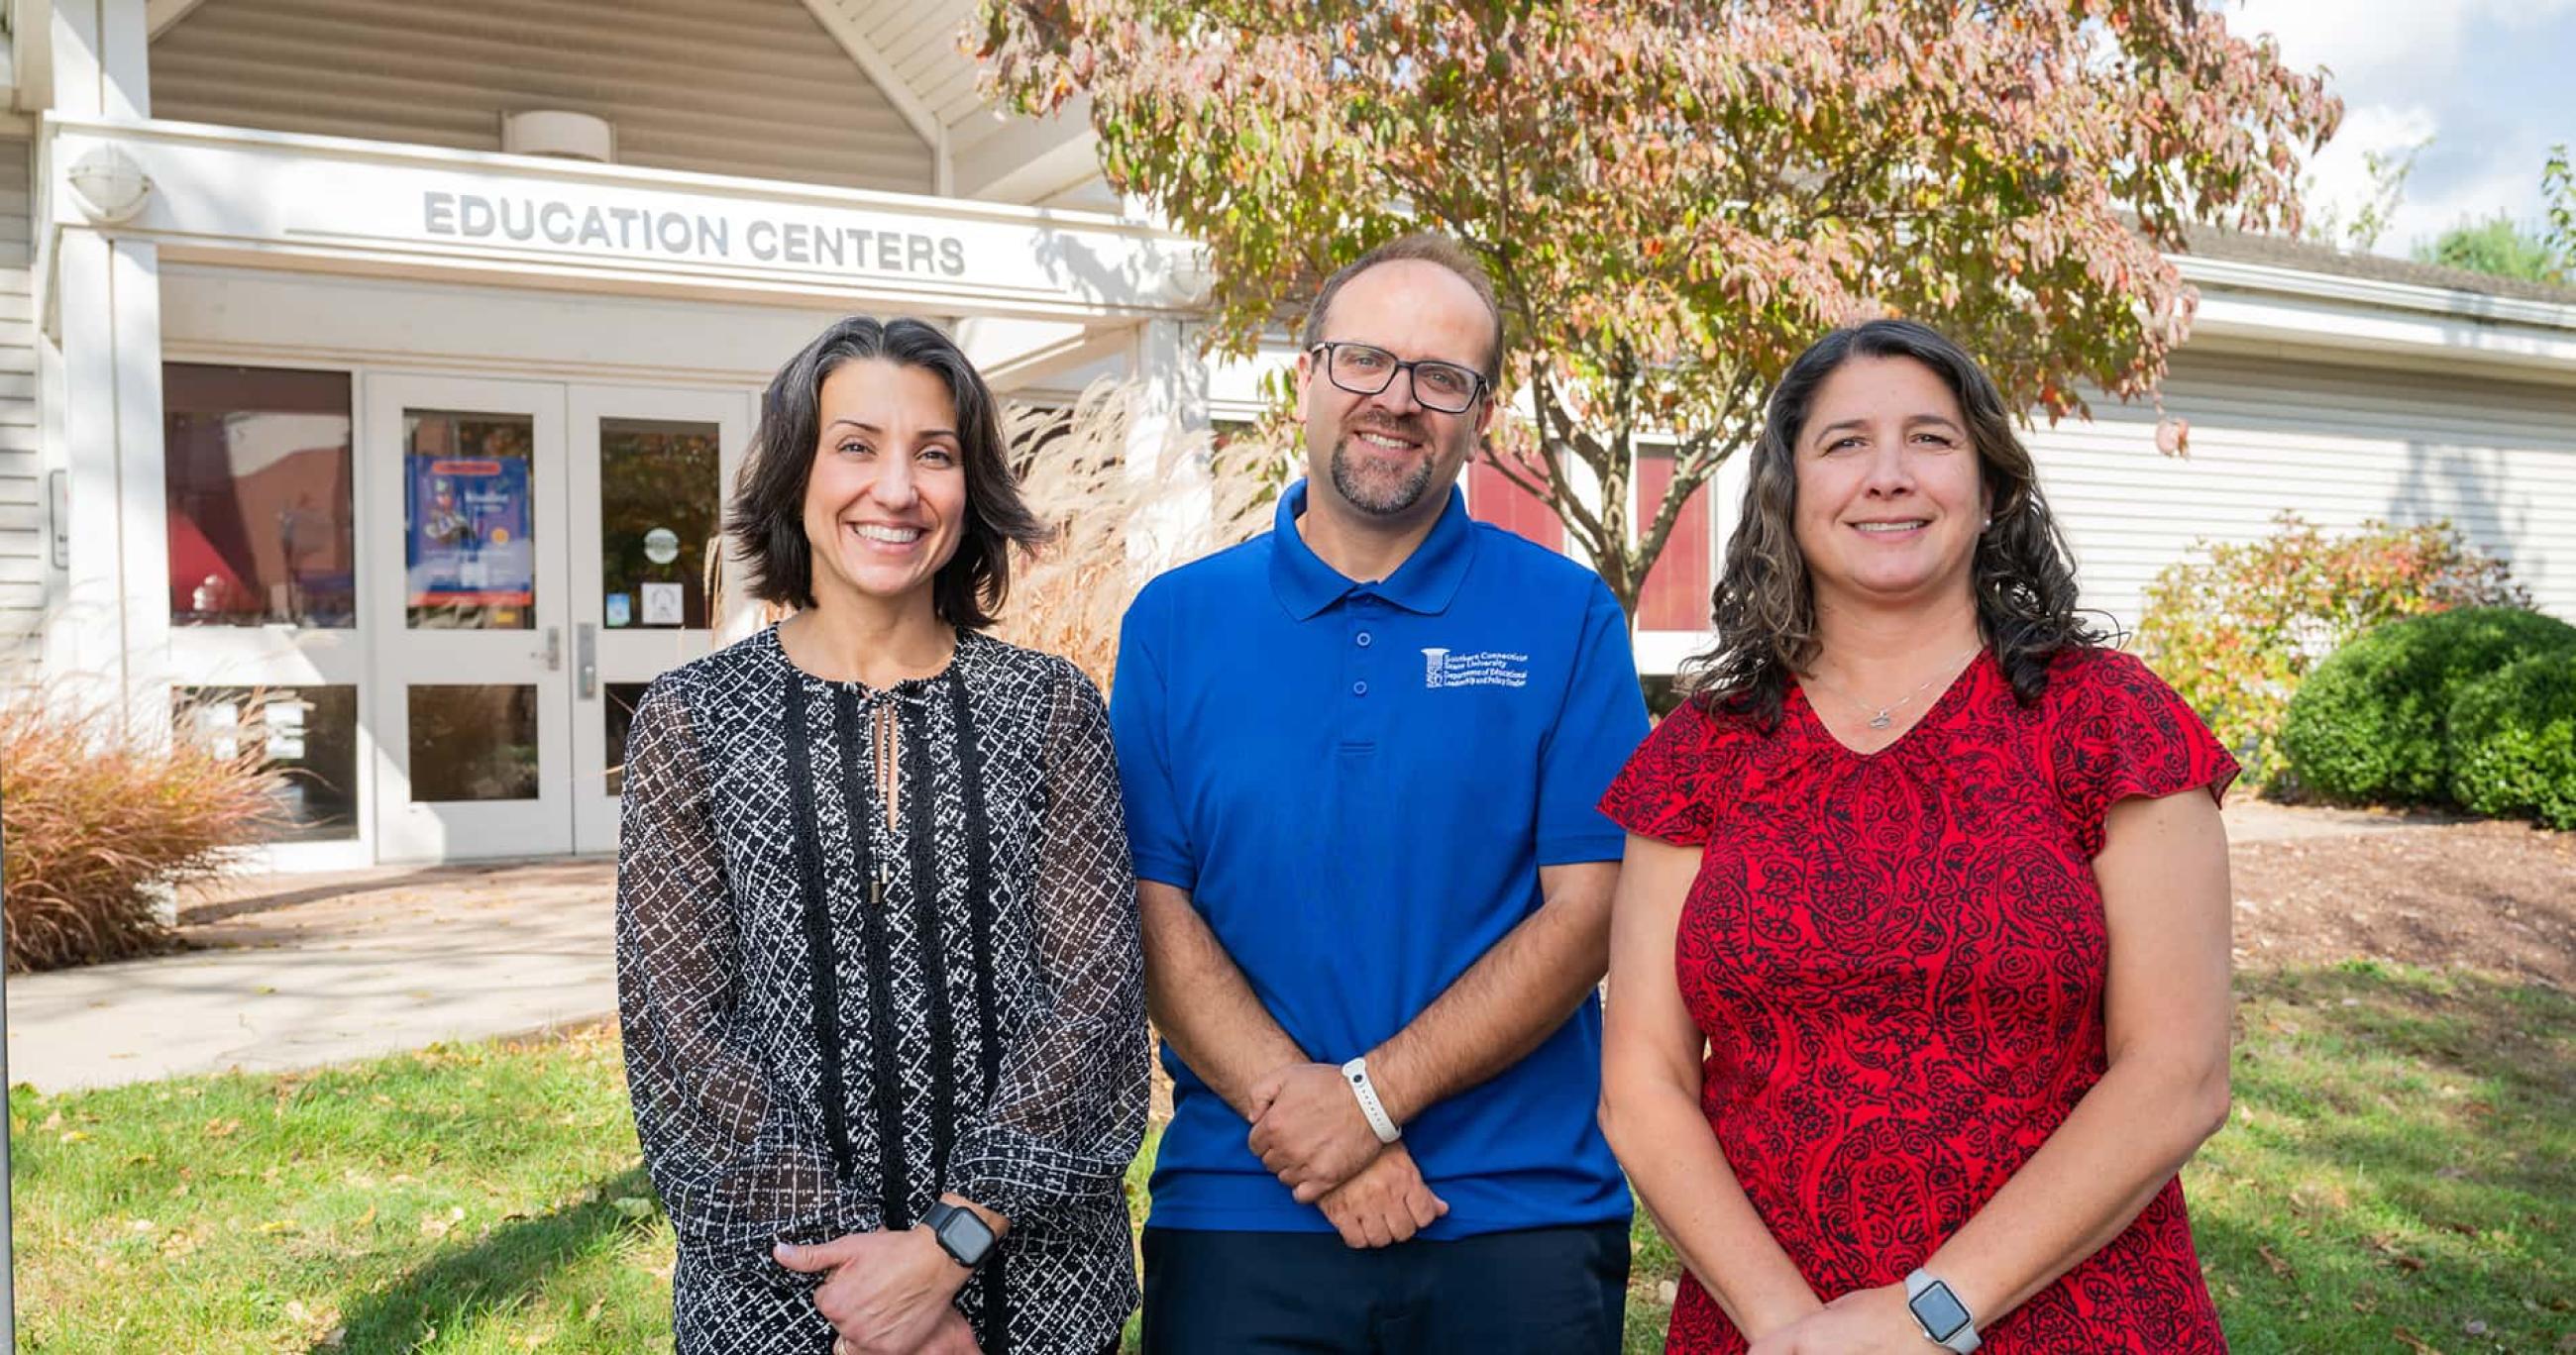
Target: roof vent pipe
{"x":560,"y":133}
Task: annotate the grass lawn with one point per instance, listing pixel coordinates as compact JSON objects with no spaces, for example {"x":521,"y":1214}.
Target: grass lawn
{"x":2400,"y":1174}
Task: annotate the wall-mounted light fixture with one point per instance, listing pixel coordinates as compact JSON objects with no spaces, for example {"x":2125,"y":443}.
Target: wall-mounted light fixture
{"x":561,"y":133}
{"x":110,"y":187}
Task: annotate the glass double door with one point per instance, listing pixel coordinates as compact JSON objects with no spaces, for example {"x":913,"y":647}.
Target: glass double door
{"x":538,"y":553}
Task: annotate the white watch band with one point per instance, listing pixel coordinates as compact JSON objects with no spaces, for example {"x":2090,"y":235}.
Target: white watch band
{"x":1963,"y":1341}
{"x":1355,"y":1073}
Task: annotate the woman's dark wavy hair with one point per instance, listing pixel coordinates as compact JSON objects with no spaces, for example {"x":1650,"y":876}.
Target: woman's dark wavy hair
{"x":767,"y":517}
{"x":1764,"y":605}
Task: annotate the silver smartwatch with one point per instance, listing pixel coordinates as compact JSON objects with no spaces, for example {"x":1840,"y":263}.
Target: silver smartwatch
{"x":1944,"y":1319}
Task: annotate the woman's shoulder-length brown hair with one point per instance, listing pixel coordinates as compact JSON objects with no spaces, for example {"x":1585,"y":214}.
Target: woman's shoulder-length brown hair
{"x":1764,"y":604}
{"x":767,"y":516}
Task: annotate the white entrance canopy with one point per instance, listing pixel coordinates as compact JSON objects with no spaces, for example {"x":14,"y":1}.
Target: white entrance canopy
{"x":224,"y":194}
{"x":366,"y":255}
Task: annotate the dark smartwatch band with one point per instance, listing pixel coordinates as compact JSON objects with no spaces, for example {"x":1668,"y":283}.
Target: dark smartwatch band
{"x":960,"y":1233}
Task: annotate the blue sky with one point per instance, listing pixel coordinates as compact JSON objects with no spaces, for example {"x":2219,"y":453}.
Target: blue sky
{"x":2493,"y":82}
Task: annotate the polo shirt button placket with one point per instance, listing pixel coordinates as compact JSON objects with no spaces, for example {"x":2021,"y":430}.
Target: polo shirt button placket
{"x":1364,"y":607}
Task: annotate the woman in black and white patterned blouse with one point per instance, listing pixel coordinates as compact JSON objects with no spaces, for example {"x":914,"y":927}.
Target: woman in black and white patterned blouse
{"x":877,"y":954}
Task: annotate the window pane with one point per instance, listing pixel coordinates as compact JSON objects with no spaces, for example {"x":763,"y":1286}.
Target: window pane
{"x":309,"y":733}
{"x":469,"y":522}
{"x":257,"y":472}
{"x":473,"y":743}
{"x":1491,"y":497}
{"x":658,"y":488}
{"x":1676,"y":595}
{"x":619,"y":711}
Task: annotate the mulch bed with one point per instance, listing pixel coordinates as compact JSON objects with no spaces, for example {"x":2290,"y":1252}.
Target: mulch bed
{"x":2497,"y":897}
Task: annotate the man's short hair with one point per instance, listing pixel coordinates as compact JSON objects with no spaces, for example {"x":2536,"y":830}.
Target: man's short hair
{"x":1426,"y":247}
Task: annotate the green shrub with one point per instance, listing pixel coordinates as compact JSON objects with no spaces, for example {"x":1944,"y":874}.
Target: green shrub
{"x":2370,"y":723}
{"x":2513,"y":740}
{"x":2236,"y":628}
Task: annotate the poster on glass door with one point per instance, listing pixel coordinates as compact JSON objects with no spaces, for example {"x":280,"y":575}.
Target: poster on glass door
{"x":469,"y":543}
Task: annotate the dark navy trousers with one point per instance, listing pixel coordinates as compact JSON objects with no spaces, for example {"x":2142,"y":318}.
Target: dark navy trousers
{"x":1536,"y":1291}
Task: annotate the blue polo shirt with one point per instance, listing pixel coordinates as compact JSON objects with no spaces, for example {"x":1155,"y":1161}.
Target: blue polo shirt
{"x":1358,"y":783}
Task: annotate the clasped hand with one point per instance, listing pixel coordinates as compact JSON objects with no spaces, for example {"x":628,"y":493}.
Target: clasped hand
{"x":1863,"y":1322}
{"x":886,"y":1293}
{"x":1309,"y":1130}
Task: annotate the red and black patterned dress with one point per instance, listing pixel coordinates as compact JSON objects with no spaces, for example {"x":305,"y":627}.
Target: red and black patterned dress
{"x":1898,"y":958}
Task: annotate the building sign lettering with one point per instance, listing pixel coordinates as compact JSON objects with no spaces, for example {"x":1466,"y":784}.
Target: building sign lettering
{"x":642,"y":230}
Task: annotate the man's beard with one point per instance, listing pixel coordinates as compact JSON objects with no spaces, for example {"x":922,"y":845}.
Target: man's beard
{"x":1379,"y":499}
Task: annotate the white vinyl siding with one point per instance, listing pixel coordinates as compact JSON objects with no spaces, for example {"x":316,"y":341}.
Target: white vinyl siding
{"x":919,"y":39}
{"x":2338,"y":444}
{"x":743,"y":87}
{"x":23,"y":546}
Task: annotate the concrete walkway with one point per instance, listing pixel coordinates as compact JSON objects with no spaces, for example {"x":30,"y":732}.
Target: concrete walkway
{"x":297,"y":971}
{"x":2250,"y":820}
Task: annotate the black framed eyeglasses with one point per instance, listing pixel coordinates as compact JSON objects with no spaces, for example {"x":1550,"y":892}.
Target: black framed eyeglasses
{"x":1363,"y":369}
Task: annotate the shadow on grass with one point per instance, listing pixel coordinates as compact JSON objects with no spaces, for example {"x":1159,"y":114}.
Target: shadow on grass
{"x":2402,"y":1159}
{"x":2464,"y":1026}
{"x":510,"y":1264}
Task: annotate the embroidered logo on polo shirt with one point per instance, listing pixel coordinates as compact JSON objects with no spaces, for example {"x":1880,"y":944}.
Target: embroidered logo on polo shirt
{"x":1491,"y":668}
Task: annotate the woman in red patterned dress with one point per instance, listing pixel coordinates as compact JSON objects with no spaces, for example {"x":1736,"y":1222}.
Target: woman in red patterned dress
{"x":1919,"y":973}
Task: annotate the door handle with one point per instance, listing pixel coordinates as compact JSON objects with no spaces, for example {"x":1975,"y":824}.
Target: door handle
{"x":585,"y":659}
{"x":554,"y":649}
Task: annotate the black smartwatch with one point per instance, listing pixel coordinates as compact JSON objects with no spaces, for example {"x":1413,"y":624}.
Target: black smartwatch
{"x":961,"y":1234}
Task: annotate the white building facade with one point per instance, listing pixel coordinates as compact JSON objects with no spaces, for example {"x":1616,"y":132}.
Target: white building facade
{"x":384,"y":366}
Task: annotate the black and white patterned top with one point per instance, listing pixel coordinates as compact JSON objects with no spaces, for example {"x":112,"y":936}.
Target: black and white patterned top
{"x":977,"y":1025}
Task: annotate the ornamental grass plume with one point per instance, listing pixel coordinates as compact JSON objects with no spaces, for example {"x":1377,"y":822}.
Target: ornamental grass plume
{"x":1117,"y":527}
{"x":100,"y":814}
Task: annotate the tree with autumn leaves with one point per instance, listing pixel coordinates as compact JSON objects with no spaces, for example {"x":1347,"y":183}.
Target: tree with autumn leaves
{"x":1675,"y":198}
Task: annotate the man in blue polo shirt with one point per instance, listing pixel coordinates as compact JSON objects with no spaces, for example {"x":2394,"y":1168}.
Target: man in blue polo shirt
{"x":1360,"y":755}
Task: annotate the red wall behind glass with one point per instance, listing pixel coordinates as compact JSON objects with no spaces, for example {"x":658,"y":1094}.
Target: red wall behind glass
{"x":1491,"y":498}
{"x":259,"y":525}
{"x":1676,"y":592}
